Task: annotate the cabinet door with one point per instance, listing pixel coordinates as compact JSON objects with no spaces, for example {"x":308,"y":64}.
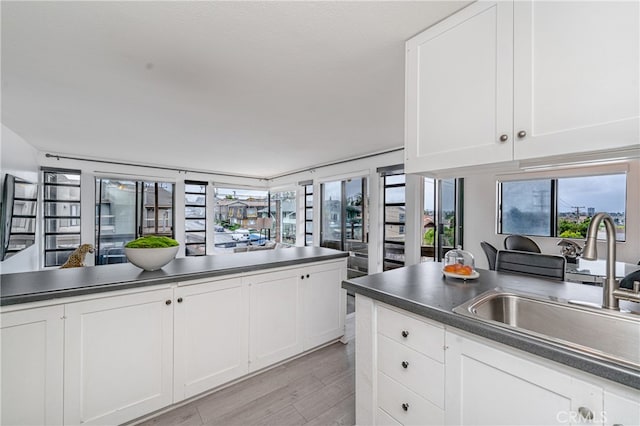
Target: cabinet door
{"x":576,"y":76}
{"x":275,"y":330}
{"x":324,"y":303}
{"x":489,"y":386}
{"x":459,"y":90}
{"x":622,"y":408}
{"x":32,"y":360}
{"x":211,"y":335}
{"x":118,"y":357}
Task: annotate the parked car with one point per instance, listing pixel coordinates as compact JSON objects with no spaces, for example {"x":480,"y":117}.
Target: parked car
{"x":218,"y":228}
{"x":240,"y":235}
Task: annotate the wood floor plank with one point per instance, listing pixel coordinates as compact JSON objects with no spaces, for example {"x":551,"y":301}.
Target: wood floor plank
{"x":316,"y":389}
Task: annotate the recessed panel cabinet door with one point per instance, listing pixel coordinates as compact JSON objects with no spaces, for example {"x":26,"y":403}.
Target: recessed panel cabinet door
{"x":32,"y":361}
{"x":459,"y":90}
{"x":490,"y":386}
{"x":576,"y":82}
{"x":275,"y":329}
{"x":324,"y":303}
{"x":118,"y":357}
{"x":211,"y":335}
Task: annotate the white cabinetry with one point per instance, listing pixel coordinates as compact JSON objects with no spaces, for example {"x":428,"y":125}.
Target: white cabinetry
{"x":324,"y":303}
{"x":32,"y":360}
{"x":490,"y":386}
{"x":211,"y":335}
{"x":275,"y":328}
{"x":293,"y":310}
{"x":501,"y":81}
{"x":621,"y":406}
{"x":118,"y":357}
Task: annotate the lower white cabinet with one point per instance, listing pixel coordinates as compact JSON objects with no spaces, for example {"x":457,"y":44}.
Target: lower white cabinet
{"x":621,"y":407}
{"x":32,"y":360}
{"x":324,"y":303}
{"x":489,"y":386}
{"x":411,"y":370}
{"x":275,"y":329}
{"x":118,"y":357}
{"x":211,"y":335}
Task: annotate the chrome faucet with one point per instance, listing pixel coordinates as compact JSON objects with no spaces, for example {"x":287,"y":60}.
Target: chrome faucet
{"x":611,"y":290}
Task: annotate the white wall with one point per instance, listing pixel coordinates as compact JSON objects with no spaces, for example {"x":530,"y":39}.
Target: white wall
{"x":480,"y":203}
{"x":19,"y":158}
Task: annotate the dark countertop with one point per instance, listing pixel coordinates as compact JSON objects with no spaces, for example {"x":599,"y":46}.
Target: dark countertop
{"x":423,"y":290}
{"x":55,"y":283}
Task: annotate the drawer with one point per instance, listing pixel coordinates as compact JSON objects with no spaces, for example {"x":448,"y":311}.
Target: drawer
{"x":422,"y":375}
{"x":384,"y":419}
{"x":424,"y":337}
{"x":391,"y":397}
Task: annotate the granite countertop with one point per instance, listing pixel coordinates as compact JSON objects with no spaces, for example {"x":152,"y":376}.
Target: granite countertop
{"x":56,"y":283}
{"x":423,"y":290}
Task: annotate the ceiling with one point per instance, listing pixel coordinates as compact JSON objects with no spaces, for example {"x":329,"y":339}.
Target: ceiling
{"x":249,"y":88}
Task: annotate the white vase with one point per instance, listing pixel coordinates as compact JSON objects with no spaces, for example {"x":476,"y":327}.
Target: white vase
{"x":151,"y":259}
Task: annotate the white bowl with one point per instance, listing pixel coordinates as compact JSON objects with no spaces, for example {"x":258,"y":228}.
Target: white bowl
{"x":151,"y":259}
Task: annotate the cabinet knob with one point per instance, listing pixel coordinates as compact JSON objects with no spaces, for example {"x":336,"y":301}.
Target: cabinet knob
{"x":405,"y":406}
{"x":179,"y":299}
{"x":504,"y":138}
{"x":405,"y":364}
{"x":585,"y":413}
{"x":307,"y":275}
{"x":522,"y":134}
{"x":302,"y":277}
{"x":405,"y":333}
{"x":168,"y":302}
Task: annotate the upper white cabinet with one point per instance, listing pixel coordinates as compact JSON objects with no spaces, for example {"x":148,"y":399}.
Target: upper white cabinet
{"x":502,"y":81}
{"x":211,"y":335}
{"x":32,"y":360}
{"x":118,"y":357}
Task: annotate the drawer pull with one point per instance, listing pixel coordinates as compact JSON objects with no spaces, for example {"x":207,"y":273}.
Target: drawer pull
{"x":405,"y":333}
{"x":405,"y":364}
{"x":405,"y":406}
{"x":585,"y":413}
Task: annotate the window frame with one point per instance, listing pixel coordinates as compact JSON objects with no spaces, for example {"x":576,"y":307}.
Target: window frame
{"x":187,"y":219}
{"x":400,"y":224}
{"x":45,"y":216}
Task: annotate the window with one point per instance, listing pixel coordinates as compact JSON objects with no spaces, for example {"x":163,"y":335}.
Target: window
{"x":442,"y":218}
{"x":19,"y":204}
{"x":283,"y":216}
{"x":195,"y":218}
{"x":344,"y":222}
{"x":128,"y":209}
{"x":561,"y":207}
{"x":241,"y":218}
{"x":308,"y":214}
{"x":394,"y":221}
{"x":61,"y":215}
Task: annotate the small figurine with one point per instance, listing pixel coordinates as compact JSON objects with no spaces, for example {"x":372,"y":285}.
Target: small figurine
{"x":76,"y":259}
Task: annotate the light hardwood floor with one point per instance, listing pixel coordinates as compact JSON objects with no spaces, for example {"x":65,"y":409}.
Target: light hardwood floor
{"x":316,"y":389}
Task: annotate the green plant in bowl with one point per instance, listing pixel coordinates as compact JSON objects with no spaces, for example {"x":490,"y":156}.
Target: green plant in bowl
{"x":152,"y":241}
{"x":151,"y":252}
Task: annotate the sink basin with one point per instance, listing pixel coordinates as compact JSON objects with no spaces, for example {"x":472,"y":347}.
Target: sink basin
{"x":604,"y":334}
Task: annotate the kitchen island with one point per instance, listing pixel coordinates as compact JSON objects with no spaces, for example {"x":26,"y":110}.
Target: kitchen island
{"x":108,"y":344}
{"x":455,"y":366}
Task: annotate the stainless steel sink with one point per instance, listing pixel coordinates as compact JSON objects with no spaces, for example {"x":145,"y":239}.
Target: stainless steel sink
{"x":604,"y":334}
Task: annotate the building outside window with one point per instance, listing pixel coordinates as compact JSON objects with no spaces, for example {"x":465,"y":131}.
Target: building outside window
{"x":242,"y":218}
{"x":61,"y":214}
{"x":283,"y":217}
{"x":344,"y":221}
{"x":562,"y":207}
{"x":195,"y":218}
{"x":126,"y":210}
